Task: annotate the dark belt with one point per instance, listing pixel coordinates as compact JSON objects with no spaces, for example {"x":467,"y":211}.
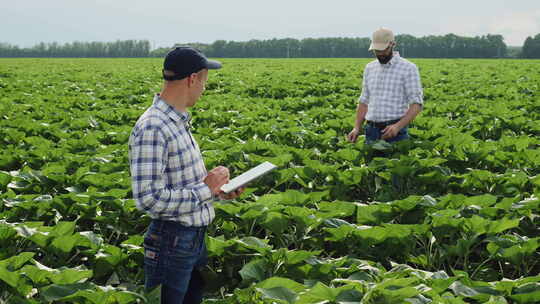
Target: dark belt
{"x":382,"y":124}
{"x":161,"y":224}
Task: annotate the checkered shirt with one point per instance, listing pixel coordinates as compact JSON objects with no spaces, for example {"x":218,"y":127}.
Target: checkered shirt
{"x":167,"y":169}
{"x":389,"y":89}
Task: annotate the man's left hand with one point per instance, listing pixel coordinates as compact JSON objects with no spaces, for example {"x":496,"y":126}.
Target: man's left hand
{"x":231,"y":195}
{"x":391,"y":131}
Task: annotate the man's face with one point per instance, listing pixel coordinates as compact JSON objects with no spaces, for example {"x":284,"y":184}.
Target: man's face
{"x":384,"y":52}
{"x":198,"y":85}
{"x":385,"y":55}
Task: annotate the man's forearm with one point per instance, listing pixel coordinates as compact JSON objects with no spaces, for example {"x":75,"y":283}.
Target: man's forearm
{"x":361,"y":111}
{"x":412,"y":112}
{"x":160,"y":201}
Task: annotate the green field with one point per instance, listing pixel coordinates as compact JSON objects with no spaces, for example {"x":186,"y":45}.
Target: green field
{"x":460,"y":225}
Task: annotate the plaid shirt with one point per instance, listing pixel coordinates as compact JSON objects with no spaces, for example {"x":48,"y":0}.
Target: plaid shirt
{"x":389,"y":89}
{"x":167,"y":168}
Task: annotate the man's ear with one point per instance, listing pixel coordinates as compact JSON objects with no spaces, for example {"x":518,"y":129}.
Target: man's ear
{"x":191,"y":79}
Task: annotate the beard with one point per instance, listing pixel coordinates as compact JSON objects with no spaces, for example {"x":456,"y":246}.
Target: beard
{"x":384,"y":59}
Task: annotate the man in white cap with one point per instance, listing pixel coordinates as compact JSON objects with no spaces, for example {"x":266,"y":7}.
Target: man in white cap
{"x":391,"y":93}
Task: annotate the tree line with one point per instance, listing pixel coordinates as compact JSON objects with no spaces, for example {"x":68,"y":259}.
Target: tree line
{"x":120,"y":48}
{"x":447,"y":46}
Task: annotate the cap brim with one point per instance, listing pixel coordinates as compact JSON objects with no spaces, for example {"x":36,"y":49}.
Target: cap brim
{"x":213,"y":64}
{"x":378,"y":46}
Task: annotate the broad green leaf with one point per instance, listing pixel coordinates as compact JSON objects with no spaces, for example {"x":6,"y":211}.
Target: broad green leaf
{"x":16,"y":262}
{"x":337,"y":208}
{"x":70,"y":276}
{"x":95,"y":240}
{"x":254,"y":270}
{"x":298,"y":256}
{"x":274,"y":282}
{"x":281,"y":294}
{"x":527,"y":293}
{"x":275,"y":222}
{"x":63,"y":229}
{"x":5,"y":179}
{"x":374,"y":214}
{"x":57,"y":292}
{"x":65,"y":243}
{"x":254,"y":243}
{"x":216,"y":246}
{"x":11,"y":278}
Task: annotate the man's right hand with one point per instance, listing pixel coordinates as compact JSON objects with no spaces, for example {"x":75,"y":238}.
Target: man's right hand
{"x":216,"y":178}
{"x":353,"y":135}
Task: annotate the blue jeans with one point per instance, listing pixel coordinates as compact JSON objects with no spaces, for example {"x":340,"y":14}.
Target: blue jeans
{"x":173,"y":255}
{"x":373,"y":134}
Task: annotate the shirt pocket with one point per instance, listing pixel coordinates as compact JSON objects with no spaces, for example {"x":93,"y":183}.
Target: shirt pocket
{"x":178,"y":159}
{"x":396,"y":87}
{"x":372,"y":82}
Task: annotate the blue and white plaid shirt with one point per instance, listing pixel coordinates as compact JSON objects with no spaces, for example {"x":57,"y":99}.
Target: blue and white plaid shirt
{"x":389,"y":89}
{"x":167,"y":168}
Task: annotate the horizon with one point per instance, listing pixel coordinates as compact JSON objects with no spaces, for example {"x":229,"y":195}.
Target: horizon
{"x":166,"y":22}
{"x":241,"y":41}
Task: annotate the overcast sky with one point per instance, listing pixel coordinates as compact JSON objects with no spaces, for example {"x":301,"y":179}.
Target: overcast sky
{"x":165,"y":22}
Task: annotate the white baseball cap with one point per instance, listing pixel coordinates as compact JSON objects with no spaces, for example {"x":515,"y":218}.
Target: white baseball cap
{"x":381,"y":39}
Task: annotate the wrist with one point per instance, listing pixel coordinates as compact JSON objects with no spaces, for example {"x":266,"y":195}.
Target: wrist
{"x":401,"y":124}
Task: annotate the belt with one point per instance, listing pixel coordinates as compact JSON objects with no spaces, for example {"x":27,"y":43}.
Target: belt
{"x":382,"y":124}
{"x":162,"y":224}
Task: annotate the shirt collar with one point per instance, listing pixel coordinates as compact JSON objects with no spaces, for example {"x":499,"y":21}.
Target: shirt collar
{"x":170,"y":111}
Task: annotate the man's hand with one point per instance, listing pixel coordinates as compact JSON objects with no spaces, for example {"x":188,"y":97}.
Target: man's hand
{"x":216,"y":178}
{"x":231,"y":195}
{"x":353,"y":135}
{"x":390,"y":131}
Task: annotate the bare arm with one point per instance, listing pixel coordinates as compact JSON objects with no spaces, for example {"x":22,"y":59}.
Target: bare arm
{"x":361,"y":111}
{"x":411,"y":114}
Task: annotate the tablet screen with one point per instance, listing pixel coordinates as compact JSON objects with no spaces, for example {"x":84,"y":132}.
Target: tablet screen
{"x":248,"y":176}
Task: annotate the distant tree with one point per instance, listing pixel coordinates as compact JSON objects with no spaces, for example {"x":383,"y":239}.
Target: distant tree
{"x":531,"y":47}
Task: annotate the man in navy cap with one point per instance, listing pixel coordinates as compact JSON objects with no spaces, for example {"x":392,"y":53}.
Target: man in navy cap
{"x":170,"y":181}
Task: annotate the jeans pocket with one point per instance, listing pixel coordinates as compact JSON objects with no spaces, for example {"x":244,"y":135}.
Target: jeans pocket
{"x":152,"y":247}
{"x":185,"y":243}
{"x":401,"y":135}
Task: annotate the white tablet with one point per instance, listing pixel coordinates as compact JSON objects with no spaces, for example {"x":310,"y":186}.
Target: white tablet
{"x":248,"y":176}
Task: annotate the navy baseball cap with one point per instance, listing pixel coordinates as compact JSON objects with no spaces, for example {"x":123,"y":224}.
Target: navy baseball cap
{"x":184,"y":61}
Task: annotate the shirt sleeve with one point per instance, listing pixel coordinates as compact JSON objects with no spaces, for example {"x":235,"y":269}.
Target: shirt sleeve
{"x":148,"y":160}
{"x":364,"y":97}
{"x":413,"y":87}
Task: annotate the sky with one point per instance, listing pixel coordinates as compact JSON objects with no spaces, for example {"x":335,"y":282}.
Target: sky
{"x":166,"y":22}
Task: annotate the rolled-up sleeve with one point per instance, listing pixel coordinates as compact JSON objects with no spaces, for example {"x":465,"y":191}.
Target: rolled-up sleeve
{"x":413,"y":86}
{"x":148,"y":161}
{"x":364,"y":97}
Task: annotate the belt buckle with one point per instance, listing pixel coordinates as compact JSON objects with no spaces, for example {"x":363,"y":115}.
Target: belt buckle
{"x":377,"y":124}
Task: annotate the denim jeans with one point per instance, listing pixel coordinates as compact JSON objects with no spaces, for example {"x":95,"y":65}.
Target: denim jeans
{"x":373,"y":134}
{"x":173,"y":255}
